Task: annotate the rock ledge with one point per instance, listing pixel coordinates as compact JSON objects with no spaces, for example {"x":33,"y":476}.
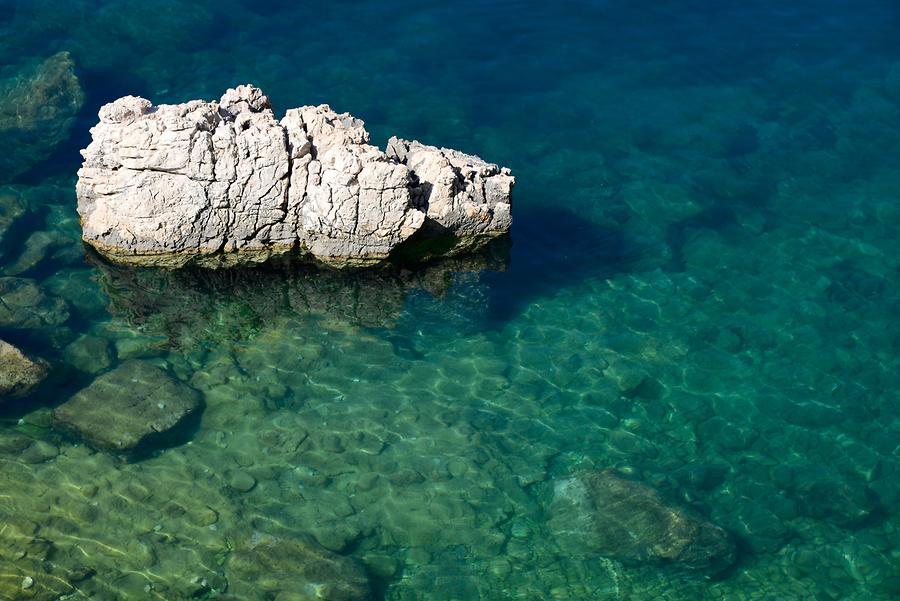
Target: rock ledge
{"x":225,"y":183}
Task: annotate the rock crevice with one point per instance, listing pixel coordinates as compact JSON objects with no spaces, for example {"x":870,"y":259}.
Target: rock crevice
{"x":225,"y":183}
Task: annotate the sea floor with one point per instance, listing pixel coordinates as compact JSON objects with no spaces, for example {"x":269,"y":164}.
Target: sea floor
{"x":701,"y":293}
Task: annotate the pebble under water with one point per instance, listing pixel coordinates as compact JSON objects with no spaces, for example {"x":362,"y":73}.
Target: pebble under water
{"x":693,"y":333}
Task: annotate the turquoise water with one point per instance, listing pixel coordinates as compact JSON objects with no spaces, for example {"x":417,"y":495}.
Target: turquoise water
{"x":701,"y":292}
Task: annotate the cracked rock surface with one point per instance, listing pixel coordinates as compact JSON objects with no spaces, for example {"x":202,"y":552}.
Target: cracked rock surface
{"x":225,"y":183}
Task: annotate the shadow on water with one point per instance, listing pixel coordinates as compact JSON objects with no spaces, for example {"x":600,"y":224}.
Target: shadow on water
{"x":554,"y":249}
{"x":200,"y":306}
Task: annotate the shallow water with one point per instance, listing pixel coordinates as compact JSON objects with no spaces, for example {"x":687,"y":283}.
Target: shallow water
{"x":701,"y":293}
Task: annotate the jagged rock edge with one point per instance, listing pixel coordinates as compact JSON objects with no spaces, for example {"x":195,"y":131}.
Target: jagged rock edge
{"x":473,"y":222}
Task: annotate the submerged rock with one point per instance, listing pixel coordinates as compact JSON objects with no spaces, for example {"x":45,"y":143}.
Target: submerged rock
{"x":129,"y":409}
{"x":25,"y":448}
{"x":13,"y":209}
{"x":202,"y":306}
{"x":89,"y":354}
{"x":606,"y":514}
{"x":24,"y":304}
{"x":225,"y":183}
{"x":37,"y":108}
{"x":19,"y":375}
{"x":295,"y":568}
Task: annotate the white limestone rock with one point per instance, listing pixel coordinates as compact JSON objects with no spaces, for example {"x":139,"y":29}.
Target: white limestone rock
{"x":459,"y":192}
{"x":176,"y":184}
{"x":352,"y":203}
{"x":225,"y":183}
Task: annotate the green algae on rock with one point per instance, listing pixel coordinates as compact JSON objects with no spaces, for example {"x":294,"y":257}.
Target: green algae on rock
{"x":607,"y":514}
{"x":129,"y":409}
{"x":37,"y":108}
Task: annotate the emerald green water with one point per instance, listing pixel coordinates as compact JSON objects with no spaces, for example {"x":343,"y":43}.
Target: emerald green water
{"x":701,"y":292}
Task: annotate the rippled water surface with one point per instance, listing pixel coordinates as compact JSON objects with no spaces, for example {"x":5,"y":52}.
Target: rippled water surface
{"x":701,"y":294}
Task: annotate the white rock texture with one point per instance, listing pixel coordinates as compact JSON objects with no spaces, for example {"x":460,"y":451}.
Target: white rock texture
{"x":225,"y":183}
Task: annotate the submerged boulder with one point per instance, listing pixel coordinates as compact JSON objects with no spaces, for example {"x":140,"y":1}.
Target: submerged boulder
{"x":606,"y":514}
{"x":13,"y":210}
{"x":37,"y":108}
{"x":295,"y":568}
{"x":225,"y":183}
{"x":129,"y":409}
{"x":19,"y":375}
{"x":25,"y":305}
{"x":202,"y":307}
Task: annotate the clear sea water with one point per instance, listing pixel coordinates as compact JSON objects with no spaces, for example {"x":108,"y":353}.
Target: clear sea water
{"x":701,"y":292}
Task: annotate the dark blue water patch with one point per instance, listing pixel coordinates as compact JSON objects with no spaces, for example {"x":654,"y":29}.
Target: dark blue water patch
{"x":555,"y":248}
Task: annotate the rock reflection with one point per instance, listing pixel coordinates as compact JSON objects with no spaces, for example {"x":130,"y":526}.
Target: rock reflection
{"x":199,"y":305}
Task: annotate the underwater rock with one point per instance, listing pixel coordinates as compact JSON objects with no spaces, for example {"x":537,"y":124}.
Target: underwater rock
{"x":190,"y":306}
{"x":19,"y":375}
{"x":606,"y":514}
{"x":844,"y":503}
{"x":89,"y":354}
{"x":13,"y":208}
{"x":28,"y":580}
{"x":224,"y":183}
{"x":129,"y":409}
{"x":25,"y":448}
{"x":241,"y":481}
{"x":759,"y":529}
{"x":37,"y":248}
{"x":37,"y":108}
{"x":24,"y":551}
{"x":295,"y":568}
{"x":24,"y":304}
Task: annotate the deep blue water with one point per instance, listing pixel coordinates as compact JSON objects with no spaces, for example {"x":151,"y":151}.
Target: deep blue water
{"x":701,"y":292}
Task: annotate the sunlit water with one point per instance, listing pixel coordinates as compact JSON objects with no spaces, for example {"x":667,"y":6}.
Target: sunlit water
{"x":701,"y":292}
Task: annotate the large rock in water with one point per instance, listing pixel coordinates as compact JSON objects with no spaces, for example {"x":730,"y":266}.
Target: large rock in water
{"x":37,"y":108}
{"x":606,"y":514}
{"x":225,"y":183}
{"x":129,"y":409}
{"x":269,"y":567}
{"x":19,"y":375}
